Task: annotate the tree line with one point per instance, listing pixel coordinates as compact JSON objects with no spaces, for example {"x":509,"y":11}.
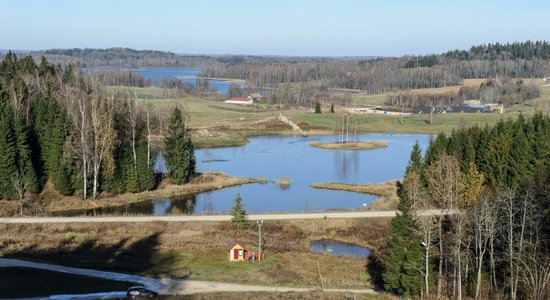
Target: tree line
{"x":528,"y":50}
{"x":59,"y":127}
{"x":490,"y":238}
{"x":374,"y":75}
{"x":503,"y":90}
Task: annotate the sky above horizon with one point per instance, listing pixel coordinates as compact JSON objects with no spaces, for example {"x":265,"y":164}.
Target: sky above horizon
{"x":272,"y":27}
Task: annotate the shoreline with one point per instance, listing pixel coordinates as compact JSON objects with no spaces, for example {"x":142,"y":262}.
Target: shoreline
{"x":202,"y":183}
{"x":386,"y":191}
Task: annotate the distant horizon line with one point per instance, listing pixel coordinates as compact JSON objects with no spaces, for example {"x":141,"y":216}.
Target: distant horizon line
{"x":27,"y":51}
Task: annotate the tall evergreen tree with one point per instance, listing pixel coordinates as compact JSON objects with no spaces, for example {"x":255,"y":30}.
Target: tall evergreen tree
{"x":415,"y":161}
{"x":468,"y":151}
{"x":146,"y":172}
{"x":179,"y":155}
{"x":317,"y":107}
{"x":519,"y":164}
{"x":437,"y":147}
{"x":404,"y":256}
{"x":24,"y":156}
{"x":8,"y":149}
{"x":238,"y":213}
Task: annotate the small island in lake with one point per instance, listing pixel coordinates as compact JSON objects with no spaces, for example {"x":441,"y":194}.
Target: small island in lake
{"x":368,"y":145}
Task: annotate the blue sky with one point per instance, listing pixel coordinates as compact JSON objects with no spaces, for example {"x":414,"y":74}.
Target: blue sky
{"x":269,"y":27}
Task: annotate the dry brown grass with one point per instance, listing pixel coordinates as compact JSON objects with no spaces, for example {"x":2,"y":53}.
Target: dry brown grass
{"x":386,"y":190}
{"x":351,"y":145}
{"x":197,"y":250}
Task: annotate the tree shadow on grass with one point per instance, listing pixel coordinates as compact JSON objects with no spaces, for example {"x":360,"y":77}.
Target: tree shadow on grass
{"x":138,"y":257}
{"x":375,"y":268}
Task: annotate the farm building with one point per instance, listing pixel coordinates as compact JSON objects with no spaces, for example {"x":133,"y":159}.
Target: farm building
{"x":427,"y":110}
{"x":469,"y":109}
{"x":242,"y":101}
{"x":255,"y":96}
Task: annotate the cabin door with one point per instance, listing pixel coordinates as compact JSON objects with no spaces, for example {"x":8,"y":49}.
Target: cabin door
{"x":236,"y":254}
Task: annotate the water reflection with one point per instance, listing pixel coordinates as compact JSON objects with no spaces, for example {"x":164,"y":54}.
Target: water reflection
{"x":346,"y":163}
{"x":160,"y":164}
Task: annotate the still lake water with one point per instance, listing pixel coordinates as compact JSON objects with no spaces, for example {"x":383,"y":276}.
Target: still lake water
{"x":185,"y":75}
{"x":339,"y":248}
{"x":277,"y":156}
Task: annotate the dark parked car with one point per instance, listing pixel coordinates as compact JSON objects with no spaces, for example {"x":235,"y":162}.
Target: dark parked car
{"x":140,"y":291}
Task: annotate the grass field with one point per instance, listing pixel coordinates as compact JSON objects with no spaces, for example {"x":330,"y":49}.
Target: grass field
{"x":231,"y":124}
{"x":198,"y":250}
{"x":25,"y":282}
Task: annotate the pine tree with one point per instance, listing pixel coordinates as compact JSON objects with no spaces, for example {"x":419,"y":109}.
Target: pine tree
{"x":436,"y":148}
{"x":24,"y":155}
{"x":8,"y":149}
{"x":468,"y":152}
{"x":521,"y":155}
{"x":239,"y":214}
{"x":317,"y":107}
{"x":132,"y":180}
{"x":180,"y":153}
{"x":146,"y":172}
{"x":332,"y":108}
{"x":415,"y":161}
{"x":404,"y":256}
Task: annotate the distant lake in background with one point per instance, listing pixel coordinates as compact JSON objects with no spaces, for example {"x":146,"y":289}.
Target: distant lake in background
{"x":189,"y":75}
{"x":185,"y":75}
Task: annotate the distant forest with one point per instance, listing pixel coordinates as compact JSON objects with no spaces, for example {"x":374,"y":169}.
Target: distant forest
{"x":517,"y":60}
{"x":374,"y":75}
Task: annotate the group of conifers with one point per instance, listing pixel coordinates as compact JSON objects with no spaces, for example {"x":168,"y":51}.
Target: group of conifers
{"x":60,"y":129}
{"x":492,"y":187}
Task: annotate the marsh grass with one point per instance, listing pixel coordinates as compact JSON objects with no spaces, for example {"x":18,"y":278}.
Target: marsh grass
{"x":368,"y":145}
{"x":386,"y":190}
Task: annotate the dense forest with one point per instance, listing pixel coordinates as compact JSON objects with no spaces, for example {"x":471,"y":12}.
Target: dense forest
{"x":490,"y":241}
{"x":121,"y":57}
{"x":58,"y":128}
{"x":518,"y":60}
{"x":373,"y":75}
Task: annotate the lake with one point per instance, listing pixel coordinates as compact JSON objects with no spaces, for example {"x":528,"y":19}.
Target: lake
{"x":280,"y":156}
{"x":186,"y":75}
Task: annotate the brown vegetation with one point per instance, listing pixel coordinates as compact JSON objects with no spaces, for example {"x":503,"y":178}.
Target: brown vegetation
{"x":197,"y":250}
{"x":386,"y":190}
{"x":351,"y":145}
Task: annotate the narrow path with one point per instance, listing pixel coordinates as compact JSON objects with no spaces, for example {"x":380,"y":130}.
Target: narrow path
{"x":187,"y":218}
{"x":294,"y":126}
{"x":167,"y":286}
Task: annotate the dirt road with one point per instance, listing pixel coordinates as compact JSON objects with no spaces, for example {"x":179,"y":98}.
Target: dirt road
{"x":166,"y":286}
{"x":187,"y":218}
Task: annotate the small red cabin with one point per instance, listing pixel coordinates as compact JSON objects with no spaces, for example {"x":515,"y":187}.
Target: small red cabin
{"x":239,"y":253}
